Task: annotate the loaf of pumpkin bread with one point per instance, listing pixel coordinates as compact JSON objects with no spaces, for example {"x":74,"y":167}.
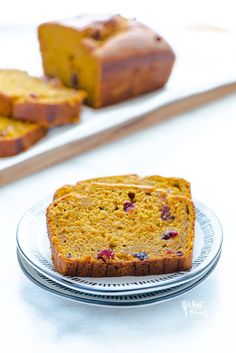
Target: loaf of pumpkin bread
{"x":121,"y":230}
{"x":111,"y":57}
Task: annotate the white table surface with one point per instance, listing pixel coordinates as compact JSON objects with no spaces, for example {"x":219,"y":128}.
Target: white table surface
{"x":199,"y":146}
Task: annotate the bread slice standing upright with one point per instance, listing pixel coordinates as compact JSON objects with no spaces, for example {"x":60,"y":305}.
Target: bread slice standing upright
{"x":173,"y":186}
{"x":121,"y":230}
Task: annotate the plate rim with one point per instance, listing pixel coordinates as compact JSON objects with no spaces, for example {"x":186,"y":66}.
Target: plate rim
{"x":70,"y":285}
{"x":117,"y":305}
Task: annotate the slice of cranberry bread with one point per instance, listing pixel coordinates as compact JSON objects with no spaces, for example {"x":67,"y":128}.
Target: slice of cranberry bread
{"x":33,"y":99}
{"x":16,"y":136}
{"x":174,"y":186}
{"x":121,"y":230}
{"x":80,"y":185}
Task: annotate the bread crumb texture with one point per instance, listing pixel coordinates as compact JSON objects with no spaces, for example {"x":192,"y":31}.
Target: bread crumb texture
{"x":121,"y":229}
{"x":173,"y":186}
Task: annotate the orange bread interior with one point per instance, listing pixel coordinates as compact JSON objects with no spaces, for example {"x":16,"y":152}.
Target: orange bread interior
{"x":116,"y":230}
{"x":18,"y":84}
{"x":16,"y":136}
{"x":13,"y":129}
{"x":174,"y":186}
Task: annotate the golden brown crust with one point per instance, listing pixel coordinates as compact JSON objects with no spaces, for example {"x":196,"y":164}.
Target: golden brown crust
{"x":134,"y":268}
{"x":10,"y":147}
{"x":112,"y":268}
{"x":136,"y":77}
{"x":5,"y":105}
{"x":135,"y":62}
{"x":47,"y":115}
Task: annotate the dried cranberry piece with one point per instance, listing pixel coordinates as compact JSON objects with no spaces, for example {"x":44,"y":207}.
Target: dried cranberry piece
{"x":96,"y":34}
{"x":169,"y":234}
{"x":74,"y":81}
{"x":169,"y":251}
{"x":71,"y":57}
{"x":33,"y":95}
{"x":179,"y":253}
{"x":131,"y":195}
{"x":105,"y":254}
{"x":141,"y":255}
{"x":165,"y":214}
{"x":128,"y":206}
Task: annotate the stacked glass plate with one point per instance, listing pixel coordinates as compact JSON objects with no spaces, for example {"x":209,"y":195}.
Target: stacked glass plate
{"x":34,"y":257}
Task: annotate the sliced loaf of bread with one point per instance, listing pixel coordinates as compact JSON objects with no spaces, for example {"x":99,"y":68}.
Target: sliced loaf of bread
{"x":121,"y":230}
{"x":173,"y":186}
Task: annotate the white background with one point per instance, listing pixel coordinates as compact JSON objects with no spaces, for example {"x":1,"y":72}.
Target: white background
{"x":199,"y":146}
{"x":220,"y":13}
